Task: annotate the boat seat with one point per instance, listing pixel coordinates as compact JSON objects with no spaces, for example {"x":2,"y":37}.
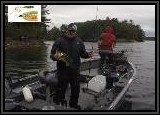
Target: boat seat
{"x":48,"y":78}
{"x":89,"y":91}
{"x":96,"y":86}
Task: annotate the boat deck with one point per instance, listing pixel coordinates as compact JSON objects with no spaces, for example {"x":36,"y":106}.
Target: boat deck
{"x":89,"y":99}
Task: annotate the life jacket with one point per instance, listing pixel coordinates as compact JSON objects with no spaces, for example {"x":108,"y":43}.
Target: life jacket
{"x":107,"y":39}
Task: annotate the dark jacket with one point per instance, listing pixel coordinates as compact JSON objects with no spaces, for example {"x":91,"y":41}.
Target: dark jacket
{"x":74,"y":48}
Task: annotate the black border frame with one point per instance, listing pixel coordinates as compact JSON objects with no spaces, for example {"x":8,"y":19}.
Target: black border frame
{"x":156,"y":3}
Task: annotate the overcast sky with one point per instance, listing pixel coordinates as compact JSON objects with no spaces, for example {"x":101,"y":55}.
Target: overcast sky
{"x":143,"y":15}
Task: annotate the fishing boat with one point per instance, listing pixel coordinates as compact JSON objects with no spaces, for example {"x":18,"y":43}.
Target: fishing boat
{"x":95,"y":93}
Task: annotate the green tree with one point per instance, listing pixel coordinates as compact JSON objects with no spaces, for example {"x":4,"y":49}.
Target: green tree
{"x":53,"y":34}
{"x":34,"y":30}
{"x":91,"y":30}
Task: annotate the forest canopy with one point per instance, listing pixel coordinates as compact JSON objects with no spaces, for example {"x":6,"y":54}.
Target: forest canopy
{"x":88,"y":31}
{"x":91,"y":30}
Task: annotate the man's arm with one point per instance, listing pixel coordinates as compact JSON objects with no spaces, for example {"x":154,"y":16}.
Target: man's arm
{"x":54,"y":50}
{"x":84,"y":53}
{"x":100,"y":40}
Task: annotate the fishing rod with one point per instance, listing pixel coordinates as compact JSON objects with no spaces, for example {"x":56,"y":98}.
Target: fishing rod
{"x":90,"y":62}
{"x":92,"y":50}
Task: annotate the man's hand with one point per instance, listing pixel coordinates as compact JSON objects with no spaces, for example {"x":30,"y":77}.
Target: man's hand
{"x":99,"y":42}
{"x":90,"y":54}
{"x":58,"y":55}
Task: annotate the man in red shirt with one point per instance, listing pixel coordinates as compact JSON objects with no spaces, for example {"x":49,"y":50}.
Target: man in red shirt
{"x":106,"y":43}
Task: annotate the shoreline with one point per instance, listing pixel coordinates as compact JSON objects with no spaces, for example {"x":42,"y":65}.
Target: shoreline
{"x":12,"y":44}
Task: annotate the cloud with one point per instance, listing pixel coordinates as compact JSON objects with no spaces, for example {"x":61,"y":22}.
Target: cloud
{"x":143,"y":15}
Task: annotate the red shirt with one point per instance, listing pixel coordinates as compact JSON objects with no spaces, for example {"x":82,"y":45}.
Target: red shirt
{"x":107,"y":39}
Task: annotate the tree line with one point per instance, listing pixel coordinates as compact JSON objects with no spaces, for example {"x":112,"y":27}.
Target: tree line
{"x":88,"y":31}
{"x":27,"y":31}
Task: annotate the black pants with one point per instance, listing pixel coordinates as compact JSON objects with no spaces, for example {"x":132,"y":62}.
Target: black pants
{"x":65,"y":77}
{"x":105,"y":58}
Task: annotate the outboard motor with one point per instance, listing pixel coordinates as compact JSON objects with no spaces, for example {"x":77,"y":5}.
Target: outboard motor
{"x":50,"y":79}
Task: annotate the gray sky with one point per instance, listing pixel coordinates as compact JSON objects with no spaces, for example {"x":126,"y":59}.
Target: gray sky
{"x":143,"y":15}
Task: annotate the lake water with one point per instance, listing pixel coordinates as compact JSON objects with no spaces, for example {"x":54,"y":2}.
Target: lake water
{"x":20,"y":62}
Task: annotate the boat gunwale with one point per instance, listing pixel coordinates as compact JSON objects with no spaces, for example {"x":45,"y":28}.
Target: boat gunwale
{"x":122,"y":93}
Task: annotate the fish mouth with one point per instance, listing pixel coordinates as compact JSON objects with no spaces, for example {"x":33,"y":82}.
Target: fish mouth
{"x":30,"y":16}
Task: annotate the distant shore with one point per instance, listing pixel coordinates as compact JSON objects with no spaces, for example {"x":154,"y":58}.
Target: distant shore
{"x":36,"y":43}
{"x":11,"y":44}
{"x":149,"y":38}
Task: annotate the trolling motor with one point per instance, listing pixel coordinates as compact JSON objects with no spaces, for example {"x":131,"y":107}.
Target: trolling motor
{"x":49,"y":78}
